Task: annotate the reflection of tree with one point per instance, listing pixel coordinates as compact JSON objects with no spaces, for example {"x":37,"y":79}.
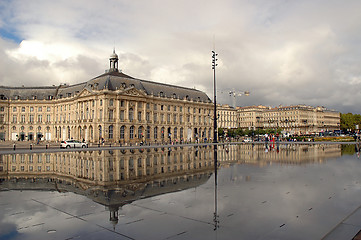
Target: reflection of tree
{"x":347,"y":149}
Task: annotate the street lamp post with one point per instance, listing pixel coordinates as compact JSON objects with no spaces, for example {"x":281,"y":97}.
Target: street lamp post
{"x":214,"y":65}
{"x":215,"y":216}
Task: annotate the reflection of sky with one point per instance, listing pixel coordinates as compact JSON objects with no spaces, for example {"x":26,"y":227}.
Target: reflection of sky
{"x":270,"y":202}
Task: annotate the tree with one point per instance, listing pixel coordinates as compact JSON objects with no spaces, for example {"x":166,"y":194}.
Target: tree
{"x":220,"y":132}
{"x":349,"y":121}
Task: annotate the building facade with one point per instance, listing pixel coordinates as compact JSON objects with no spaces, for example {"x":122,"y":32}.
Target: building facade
{"x":112,"y":107}
{"x":297,"y":119}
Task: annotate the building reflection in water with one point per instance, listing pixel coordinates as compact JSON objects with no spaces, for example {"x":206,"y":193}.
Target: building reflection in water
{"x":115,"y":178}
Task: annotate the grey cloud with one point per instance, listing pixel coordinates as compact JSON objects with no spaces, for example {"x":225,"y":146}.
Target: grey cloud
{"x":284,"y":52}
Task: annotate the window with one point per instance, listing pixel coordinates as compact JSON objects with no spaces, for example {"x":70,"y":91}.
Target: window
{"x":155,"y":118}
{"x":122,"y":103}
{"x":1,"y":109}
{"x":175,"y":133}
{"x":23,"y":109}
{"x":15,"y":119}
{"x":148,"y":132}
{"x":147,"y":116}
{"x":101,"y":102}
{"x":100,"y":114}
{"x":155,"y":132}
{"x":22,"y":118}
{"x":110,"y":115}
{"x":48,"y":109}
{"x":48,"y":119}
{"x":111,"y":132}
{"x":140,"y":132}
{"x":40,"y":118}
{"x":131,"y":114}
{"x":31,"y":109}
{"x":40,"y":109}
{"x":161,"y":107}
{"x":162,"y":132}
{"x":111,"y":102}
{"x":131,"y":132}
{"x":122,"y":130}
{"x":121,"y":115}
{"x":139,"y":116}
{"x":14,"y":109}
{"x":168,"y":107}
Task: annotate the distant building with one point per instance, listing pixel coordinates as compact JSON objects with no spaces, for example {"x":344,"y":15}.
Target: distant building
{"x":112,"y":107}
{"x":297,"y":119}
{"x":227,"y":117}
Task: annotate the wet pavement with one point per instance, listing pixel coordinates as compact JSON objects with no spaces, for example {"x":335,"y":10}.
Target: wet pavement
{"x":273,"y":192}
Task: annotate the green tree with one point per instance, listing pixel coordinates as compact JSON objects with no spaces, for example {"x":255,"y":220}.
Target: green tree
{"x":239,"y":132}
{"x":220,"y":132}
{"x":349,"y":121}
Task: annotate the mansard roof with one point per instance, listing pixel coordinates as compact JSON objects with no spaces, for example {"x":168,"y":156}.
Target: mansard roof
{"x":23,"y":93}
{"x":116,"y":80}
{"x":112,"y":80}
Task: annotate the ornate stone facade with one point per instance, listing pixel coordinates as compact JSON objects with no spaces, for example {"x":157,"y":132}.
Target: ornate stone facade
{"x":112,"y":107}
{"x":297,"y":119}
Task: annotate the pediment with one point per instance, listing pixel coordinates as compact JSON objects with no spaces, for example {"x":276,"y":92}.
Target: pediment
{"x":132,"y":92}
{"x":84,"y":92}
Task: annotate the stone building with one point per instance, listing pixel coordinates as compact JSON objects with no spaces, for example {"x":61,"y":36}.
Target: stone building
{"x":227,"y":117}
{"x":112,"y":107}
{"x":296,"y":119}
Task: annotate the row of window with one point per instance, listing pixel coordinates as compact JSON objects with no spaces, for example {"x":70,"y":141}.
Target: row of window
{"x":31,"y":109}
{"x":30,"y":119}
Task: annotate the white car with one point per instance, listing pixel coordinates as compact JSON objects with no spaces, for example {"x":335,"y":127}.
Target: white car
{"x":73,"y":144}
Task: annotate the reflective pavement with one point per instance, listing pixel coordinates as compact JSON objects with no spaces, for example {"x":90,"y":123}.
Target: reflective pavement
{"x":261,"y":192}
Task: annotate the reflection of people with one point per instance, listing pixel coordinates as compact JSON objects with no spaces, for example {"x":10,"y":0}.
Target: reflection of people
{"x":357,"y":149}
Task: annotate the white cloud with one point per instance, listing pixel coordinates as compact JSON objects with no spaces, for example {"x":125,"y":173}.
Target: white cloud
{"x":284,"y":52}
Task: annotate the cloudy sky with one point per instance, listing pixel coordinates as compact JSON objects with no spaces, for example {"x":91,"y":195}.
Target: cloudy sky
{"x":283,"y":51}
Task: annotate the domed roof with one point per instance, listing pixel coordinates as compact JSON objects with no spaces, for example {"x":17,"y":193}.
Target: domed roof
{"x":114,"y":55}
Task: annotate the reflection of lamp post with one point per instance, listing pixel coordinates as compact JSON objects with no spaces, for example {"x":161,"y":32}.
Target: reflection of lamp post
{"x":215,"y":216}
{"x":214,"y":64}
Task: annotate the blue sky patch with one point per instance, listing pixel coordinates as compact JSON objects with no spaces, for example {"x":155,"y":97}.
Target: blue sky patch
{"x":11,"y":35}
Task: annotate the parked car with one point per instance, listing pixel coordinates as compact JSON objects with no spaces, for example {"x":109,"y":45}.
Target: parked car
{"x":73,"y":144}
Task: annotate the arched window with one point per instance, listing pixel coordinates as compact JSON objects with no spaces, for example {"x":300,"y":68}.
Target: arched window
{"x":131,"y":132}
{"x":110,"y":132}
{"x":155,"y":133}
{"x":148,"y":132}
{"x":140,"y":132}
{"x":181,"y":133}
{"x":100,"y":131}
{"x":175,"y":134}
{"x":162,"y":133}
{"x":122,"y":130}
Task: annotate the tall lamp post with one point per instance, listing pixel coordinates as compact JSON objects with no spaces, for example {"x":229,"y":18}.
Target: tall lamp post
{"x":215,"y":215}
{"x":214,"y":65}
